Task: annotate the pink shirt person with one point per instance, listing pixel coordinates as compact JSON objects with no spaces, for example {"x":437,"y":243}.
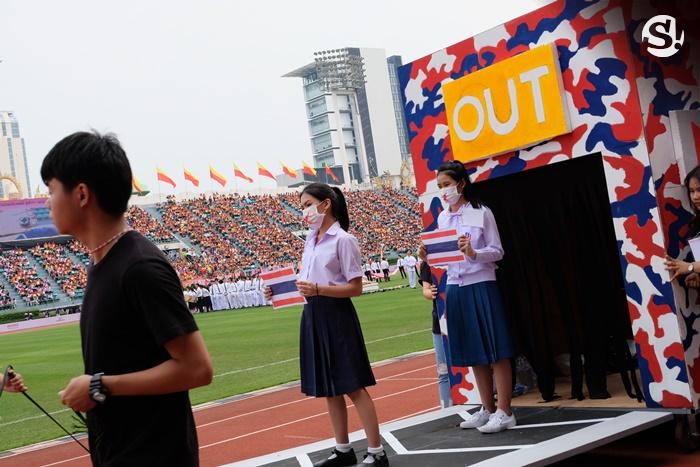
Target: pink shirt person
{"x":334,"y":260}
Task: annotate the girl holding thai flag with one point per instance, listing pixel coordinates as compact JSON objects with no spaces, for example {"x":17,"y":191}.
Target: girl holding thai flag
{"x":476,"y":320}
{"x":333,"y":357}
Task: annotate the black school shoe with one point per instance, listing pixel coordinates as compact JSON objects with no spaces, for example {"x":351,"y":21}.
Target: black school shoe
{"x":378,"y":460}
{"x":339,"y":459}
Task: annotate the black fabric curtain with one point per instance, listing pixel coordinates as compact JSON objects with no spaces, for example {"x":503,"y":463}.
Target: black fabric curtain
{"x":560,"y":277}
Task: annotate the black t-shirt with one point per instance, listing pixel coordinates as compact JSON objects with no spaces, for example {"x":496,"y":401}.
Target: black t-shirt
{"x":426,"y":276}
{"x":133,"y":305}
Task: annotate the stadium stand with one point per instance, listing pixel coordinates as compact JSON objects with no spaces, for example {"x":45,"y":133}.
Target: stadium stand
{"x":226,"y":235}
{"x":69,"y":275}
{"x":23,"y":277}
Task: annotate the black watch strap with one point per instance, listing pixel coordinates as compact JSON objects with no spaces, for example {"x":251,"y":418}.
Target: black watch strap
{"x":96,"y":387}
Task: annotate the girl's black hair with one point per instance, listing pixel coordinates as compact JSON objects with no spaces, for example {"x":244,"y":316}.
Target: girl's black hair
{"x":695,"y":222}
{"x":339,"y":207}
{"x":456,"y":171}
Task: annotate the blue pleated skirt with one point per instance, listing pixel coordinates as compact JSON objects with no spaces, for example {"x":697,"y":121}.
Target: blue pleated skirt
{"x":477,"y":326}
{"x":333,"y":357}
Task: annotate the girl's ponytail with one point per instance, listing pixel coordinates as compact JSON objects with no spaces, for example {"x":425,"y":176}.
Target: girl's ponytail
{"x":340,"y":209}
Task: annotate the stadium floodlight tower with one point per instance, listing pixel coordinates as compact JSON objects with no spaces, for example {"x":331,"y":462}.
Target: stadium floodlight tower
{"x":341,"y":72}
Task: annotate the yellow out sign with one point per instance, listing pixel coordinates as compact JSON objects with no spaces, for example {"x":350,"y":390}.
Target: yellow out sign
{"x":509,"y":105}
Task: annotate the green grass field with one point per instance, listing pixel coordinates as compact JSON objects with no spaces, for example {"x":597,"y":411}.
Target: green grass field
{"x":394,"y":323}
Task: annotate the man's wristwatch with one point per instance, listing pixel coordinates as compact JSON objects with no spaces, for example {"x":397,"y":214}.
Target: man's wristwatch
{"x":98,"y":392}
{"x":691,"y":267}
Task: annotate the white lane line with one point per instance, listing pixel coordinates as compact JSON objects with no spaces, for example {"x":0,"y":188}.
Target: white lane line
{"x":465,"y":415}
{"x":259,"y":367}
{"x":392,"y":425}
{"x":273,"y":407}
{"x":457,"y":450}
{"x":14,"y":422}
{"x":67,"y":460}
{"x":581,"y":440}
{"x":274,"y":427}
{"x":289,"y":360}
{"x":393,"y":442}
{"x":43,"y":446}
{"x":304,"y":460}
{"x":572,"y":422}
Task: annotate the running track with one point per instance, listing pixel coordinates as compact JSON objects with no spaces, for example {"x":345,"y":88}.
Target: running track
{"x":276,"y":420}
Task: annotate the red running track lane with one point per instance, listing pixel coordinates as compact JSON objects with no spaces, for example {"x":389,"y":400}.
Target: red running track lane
{"x":282,"y":419}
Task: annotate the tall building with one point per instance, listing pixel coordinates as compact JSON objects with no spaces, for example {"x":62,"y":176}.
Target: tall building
{"x":354,"y":112}
{"x":394,"y":62}
{"x":14,"y":170}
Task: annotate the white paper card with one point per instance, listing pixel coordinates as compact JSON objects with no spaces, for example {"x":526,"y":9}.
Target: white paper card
{"x":695,"y":247}
{"x":473,"y":218}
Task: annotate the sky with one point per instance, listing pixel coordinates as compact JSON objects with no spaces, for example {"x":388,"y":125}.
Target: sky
{"x":193,"y":83}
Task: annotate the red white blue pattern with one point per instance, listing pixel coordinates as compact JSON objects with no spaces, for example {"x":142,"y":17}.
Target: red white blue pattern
{"x":284,"y":288}
{"x":442,"y":247}
{"x":619,"y":100}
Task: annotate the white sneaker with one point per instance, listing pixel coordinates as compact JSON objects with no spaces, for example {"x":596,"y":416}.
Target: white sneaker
{"x":476,"y":419}
{"x":499,"y":421}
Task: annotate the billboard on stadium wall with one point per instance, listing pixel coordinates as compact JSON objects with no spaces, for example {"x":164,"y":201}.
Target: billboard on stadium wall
{"x":25,"y":219}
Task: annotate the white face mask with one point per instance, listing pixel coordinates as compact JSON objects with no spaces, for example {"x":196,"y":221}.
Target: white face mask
{"x":450,"y":195}
{"x":312,"y":217}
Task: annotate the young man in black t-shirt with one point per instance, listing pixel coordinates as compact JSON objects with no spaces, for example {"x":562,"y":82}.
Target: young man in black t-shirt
{"x":142,"y":350}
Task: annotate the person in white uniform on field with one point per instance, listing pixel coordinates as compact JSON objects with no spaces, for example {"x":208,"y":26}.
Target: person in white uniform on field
{"x":240,"y":291}
{"x":410,"y":263}
{"x":230,"y":288}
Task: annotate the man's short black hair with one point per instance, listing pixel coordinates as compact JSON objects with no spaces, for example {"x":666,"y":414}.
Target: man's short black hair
{"x":96,"y":160}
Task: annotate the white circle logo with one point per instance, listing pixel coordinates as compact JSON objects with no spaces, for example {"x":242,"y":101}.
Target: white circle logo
{"x":661,"y":37}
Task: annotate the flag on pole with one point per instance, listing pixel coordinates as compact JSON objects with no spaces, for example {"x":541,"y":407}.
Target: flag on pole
{"x":288,"y":170}
{"x":137,"y":185}
{"x":441,"y":246}
{"x":217,"y":177}
{"x":163,"y":177}
{"x":262,"y":170}
{"x":190,"y":177}
{"x":330,"y":173}
{"x":237,"y":172}
{"x":308,"y":170}
{"x":283,"y":283}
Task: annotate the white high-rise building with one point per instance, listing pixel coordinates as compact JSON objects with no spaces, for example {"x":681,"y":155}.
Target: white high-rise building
{"x":355,"y":115}
{"x":14,"y":170}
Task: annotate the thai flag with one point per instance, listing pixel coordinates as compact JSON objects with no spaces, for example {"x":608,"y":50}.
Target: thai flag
{"x":283,"y":283}
{"x":441,"y":246}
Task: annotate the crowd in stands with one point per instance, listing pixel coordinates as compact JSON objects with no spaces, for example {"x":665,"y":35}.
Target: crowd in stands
{"x":70,"y":276}
{"x":5,"y":299}
{"x":15,"y":267}
{"x":145,"y":223}
{"x":217,"y":252}
{"x":380,"y":224}
{"x":80,"y":251}
{"x":232,"y":235}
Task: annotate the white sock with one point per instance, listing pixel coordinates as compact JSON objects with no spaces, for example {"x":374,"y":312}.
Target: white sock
{"x":373,"y":452}
{"x":343,"y":448}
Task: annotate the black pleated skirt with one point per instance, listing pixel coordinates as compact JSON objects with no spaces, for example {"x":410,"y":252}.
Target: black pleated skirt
{"x":333,"y":356}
